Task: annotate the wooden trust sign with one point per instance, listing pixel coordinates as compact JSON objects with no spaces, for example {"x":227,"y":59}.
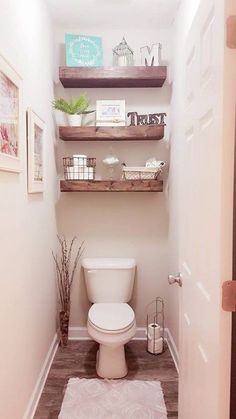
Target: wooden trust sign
{"x":148,"y":119}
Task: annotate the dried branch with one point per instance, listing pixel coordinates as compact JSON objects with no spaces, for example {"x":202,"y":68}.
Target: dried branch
{"x":64,"y":273}
{"x":78,"y":255}
{"x":59,"y":280}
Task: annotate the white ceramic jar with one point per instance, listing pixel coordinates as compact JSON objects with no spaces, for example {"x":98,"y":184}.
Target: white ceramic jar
{"x":74,"y":120}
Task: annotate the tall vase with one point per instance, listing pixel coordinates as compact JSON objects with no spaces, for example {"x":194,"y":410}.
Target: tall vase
{"x":64,"y":317}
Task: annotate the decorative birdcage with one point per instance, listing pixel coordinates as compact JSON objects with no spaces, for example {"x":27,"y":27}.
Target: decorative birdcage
{"x":123,"y":55}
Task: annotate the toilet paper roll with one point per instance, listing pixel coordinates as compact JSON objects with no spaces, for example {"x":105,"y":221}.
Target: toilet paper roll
{"x":86,"y":173}
{"x":80,"y":171}
{"x":154,"y":331}
{"x":155,"y":346}
{"x":79,"y":159}
{"x":90,"y":173}
{"x":70,"y":173}
{"x":153,"y":162}
{"x":150,"y":338}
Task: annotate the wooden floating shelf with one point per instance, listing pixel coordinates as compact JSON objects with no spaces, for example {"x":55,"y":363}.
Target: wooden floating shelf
{"x":131,"y":133}
{"x":113,"y":76}
{"x":111,"y":185}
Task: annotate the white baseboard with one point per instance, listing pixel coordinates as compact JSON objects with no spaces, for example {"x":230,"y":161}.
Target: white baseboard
{"x":78,"y":333}
{"x":81,"y":333}
{"x":36,"y":394}
{"x":140,"y":333}
{"x":173,"y":348}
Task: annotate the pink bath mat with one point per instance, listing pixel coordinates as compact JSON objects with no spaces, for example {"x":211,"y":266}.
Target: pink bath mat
{"x":113,"y":399}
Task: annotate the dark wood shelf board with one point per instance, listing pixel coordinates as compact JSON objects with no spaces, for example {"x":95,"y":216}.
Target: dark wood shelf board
{"x":131,"y":133}
{"x":113,"y":76}
{"x":111,"y":185}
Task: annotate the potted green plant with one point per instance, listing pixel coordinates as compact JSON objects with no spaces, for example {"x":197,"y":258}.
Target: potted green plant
{"x":65,"y":271}
{"x":75,"y":108}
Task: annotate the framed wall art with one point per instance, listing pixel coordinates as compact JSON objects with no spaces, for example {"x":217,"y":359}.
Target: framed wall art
{"x":83,"y":51}
{"x":110,"y":113}
{"x":35,"y":134}
{"x":11,"y":118}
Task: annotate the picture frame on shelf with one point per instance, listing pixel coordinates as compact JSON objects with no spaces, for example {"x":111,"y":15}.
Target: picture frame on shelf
{"x":35,"y":142}
{"x":110,"y":113}
{"x":11,"y":118}
{"x":83,"y":51}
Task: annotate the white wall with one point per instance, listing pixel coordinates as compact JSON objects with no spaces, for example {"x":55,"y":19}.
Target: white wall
{"x":119,"y":224}
{"x":27,"y":222}
{"x":181,"y":26}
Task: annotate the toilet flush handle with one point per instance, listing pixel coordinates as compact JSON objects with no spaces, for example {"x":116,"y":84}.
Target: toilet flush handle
{"x":172,"y":279}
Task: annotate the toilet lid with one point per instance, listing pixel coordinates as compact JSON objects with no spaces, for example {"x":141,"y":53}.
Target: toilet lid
{"x":111,"y":316}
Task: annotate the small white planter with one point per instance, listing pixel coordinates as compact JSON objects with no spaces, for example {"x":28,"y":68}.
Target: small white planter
{"x":74,"y":120}
{"x":60,"y":118}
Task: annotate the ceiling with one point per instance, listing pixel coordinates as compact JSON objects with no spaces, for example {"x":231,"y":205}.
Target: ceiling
{"x":114,"y":13}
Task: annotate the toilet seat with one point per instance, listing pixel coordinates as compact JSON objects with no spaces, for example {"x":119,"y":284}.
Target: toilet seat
{"x":111,"y":317}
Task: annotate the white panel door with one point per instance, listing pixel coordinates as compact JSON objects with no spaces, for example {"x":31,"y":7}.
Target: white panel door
{"x":201,"y":220}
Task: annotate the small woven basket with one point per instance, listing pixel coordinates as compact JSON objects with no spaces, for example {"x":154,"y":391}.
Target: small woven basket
{"x":140,"y":173}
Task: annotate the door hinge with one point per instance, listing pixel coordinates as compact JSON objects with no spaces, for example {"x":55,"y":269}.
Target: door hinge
{"x":229,"y":296}
{"x":231,"y":32}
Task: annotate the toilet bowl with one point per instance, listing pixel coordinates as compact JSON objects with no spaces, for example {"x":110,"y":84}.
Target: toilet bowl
{"x":112,"y":325}
{"x":111,"y":321}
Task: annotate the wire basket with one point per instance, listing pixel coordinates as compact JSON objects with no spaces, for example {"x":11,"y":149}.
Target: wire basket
{"x":79,"y":168}
{"x":140,"y":173}
{"x":155,"y":327}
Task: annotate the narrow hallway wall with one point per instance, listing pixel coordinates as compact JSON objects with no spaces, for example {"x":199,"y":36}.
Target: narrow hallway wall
{"x":27,"y":221}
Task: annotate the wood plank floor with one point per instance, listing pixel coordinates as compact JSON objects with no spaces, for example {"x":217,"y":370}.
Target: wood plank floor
{"x":78,"y":360}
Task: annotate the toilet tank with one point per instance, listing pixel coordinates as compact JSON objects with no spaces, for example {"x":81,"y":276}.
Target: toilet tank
{"x":109,"y":280}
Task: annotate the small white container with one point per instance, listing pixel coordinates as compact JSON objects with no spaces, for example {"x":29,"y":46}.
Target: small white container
{"x":74,"y":120}
{"x":60,"y":118}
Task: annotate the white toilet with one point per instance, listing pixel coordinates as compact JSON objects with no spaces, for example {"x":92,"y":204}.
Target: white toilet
{"x":111,"y":321}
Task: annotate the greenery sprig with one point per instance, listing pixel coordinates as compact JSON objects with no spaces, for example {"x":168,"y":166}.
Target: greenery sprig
{"x":74,"y":106}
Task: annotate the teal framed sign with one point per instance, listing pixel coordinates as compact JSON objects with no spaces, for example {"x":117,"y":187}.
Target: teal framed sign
{"x":83,"y":51}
